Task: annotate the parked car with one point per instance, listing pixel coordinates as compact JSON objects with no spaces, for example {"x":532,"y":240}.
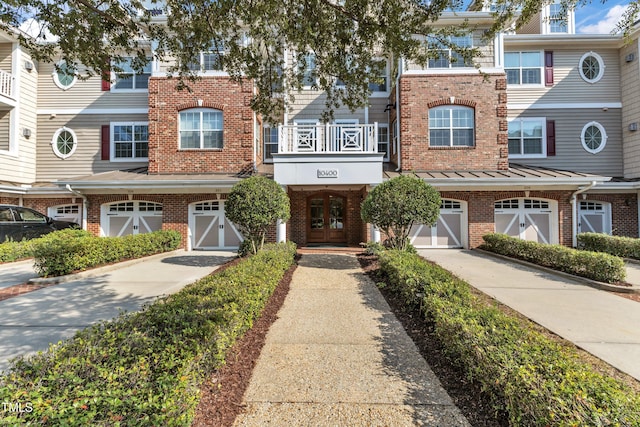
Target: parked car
{"x":18,"y":223}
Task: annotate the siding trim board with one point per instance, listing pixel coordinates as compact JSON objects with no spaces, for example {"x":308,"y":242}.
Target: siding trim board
{"x":78,"y":111}
{"x":582,"y":106}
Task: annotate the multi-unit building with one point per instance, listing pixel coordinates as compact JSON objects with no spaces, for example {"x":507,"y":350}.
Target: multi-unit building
{"x":540,"y":142}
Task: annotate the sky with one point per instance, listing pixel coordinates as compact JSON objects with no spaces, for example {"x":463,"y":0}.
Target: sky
{"x":598,"y":17}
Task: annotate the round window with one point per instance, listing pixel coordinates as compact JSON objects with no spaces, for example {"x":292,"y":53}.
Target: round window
{"x":591,"y":67}
{"x":64,"y":76}
{"x":594,"y":137}
{"x":64,"y":143}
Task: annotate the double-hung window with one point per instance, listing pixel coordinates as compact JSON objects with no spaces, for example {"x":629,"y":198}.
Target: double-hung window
{"x":127,"y":78}
{"x":527,"y":137}
{"x":523,"y":68}
{"x":207,"y":61}
{"x":446,"y":56}
{"x":381,"y":77}
{"x":201,"y":129}
{"x":270,"y":143}
{"x":307,"y":65}
{"x":451,"y":126}
{"x":129,"y":141}
{"x":557,"y":18}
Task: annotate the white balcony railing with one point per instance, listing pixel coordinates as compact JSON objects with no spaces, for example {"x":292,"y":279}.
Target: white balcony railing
{"x":329,"y":138}
{"x":6,"y":84}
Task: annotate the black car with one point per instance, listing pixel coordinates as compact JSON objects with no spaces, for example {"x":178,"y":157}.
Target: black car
{"x":18,"y":223}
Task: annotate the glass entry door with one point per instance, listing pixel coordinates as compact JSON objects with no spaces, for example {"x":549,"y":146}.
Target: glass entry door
{"x":326,"y":218}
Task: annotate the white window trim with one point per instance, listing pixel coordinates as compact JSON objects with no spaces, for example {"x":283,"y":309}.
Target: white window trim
{"x":112,"y":144}
{"x":543,"y":155}
{"x":541,"y":68}
{"x":389,"y":143}
{"x":56,"y":78}
{"x":54,"y":143}
{"x":451,"y":128}
{"x":201,"y":147}
{"x":450,"y":53}
{"x":604,"y":138}
{"x":600,"y":63}
{"x":114,"y":81}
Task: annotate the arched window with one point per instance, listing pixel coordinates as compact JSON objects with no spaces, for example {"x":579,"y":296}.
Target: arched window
{"x":64,"y":142}
{"x":451,"y":126}
{"x":593,"y":137}
{"x":64,"y":76}
{"x":591,"y":67}
{"x":201,"y":128}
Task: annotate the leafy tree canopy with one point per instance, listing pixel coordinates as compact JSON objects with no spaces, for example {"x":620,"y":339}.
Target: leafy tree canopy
{"x":346,"y":37}
{"x":395,"y":205}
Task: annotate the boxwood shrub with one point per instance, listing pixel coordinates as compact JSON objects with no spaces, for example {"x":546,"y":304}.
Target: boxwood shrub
{"x":626,"y":247}
{"x":67,"y":251}
{"x":145,"y":368}
{"x":11,"y":251}
{"x":593,"y":265}
{"x":536,"y":380}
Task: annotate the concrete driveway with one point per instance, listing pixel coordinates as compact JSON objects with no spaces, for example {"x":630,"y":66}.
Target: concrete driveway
{"x":602,"y":323}
{"x":32,"y":321}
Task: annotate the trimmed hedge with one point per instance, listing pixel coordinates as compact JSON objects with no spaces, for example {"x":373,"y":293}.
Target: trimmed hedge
{"x":67,"y":251}
{"x":145,"y":368}
{"x":11,"y":251}
{"x":537,"y":381}
{"x":593,"y":265}
{"x":626,"y":247}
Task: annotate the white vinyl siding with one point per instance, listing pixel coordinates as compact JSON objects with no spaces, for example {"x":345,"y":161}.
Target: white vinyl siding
{"x":569,"y":86}
{"x":86,"y":160}
{"x":570,"y":154}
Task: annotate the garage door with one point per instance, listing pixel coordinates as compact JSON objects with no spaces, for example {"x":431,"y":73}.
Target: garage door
{"x":594,"y":217}
{"x":450,"y":231}
{"x":132,"y":217}
{"x":527,"y":219}
{"x":209,"y":227}
{"x":71,"y":213}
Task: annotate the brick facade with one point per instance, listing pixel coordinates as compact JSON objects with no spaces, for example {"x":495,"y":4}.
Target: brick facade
{"x":356,"y":230}
{"x":485,"y":94}
{"x":166,"y":101}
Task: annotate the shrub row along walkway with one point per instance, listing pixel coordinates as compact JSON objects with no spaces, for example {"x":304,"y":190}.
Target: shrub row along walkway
{"x":337,"y":356}
{"x":32,"y":321}
{"x":604,"y":324}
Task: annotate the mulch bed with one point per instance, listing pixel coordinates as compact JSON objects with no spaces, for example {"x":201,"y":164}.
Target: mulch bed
{"x":14,"y":291}
{"x":221,"y":395}
{"x":466,"y":395}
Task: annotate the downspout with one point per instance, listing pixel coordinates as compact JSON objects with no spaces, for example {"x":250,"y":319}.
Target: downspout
{"x":85,"y":202}
{"x":256,"y":138}
{"x":398,"y":127}
{"x":574,"y":212}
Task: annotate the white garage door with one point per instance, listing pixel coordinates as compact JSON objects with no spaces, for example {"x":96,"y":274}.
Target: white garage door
{"x":450,"y":231}
{"x":71,"y":213}
{"x":594,"y":217}
{"x":132,"y":217}
{"x":209,"y":227}
{"x":527,"y":219}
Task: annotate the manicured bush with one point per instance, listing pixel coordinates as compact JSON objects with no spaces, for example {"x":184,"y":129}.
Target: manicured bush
{"x":254,"y":205}
{"x":397,"y":204}
{"x":15,"y":251}
{"x":67,"y":251}
{"x":536,"y":380}
{"x":593,"y":265}
{"x":626,"y":247}
{"x":145,"y":368}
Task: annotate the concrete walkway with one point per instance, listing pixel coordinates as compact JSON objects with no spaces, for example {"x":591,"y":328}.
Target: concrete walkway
{"x":336,"y":356}
{"x":32,"y":321}
{"x":604,"y":324}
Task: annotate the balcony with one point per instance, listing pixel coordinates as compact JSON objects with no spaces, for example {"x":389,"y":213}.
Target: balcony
{"x":6,"y":85}
{"x":331,"y":154}
{"x":329,"y":138}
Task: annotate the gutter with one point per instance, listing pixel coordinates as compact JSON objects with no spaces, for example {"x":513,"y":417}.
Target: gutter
{"x":397,"y":131}
{"x":574,"y":211}
{"x":85,"y":204}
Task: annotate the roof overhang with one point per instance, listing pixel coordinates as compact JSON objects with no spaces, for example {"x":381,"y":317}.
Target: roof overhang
{"x":564,"y":40}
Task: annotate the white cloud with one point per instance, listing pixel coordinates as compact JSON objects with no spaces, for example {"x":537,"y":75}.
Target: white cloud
{"x":36,"y":30}
{"x":607,"y":24}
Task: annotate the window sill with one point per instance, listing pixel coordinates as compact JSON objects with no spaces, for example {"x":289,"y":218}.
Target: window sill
{"x":457,"y":147}
{"x":191,"y":150}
